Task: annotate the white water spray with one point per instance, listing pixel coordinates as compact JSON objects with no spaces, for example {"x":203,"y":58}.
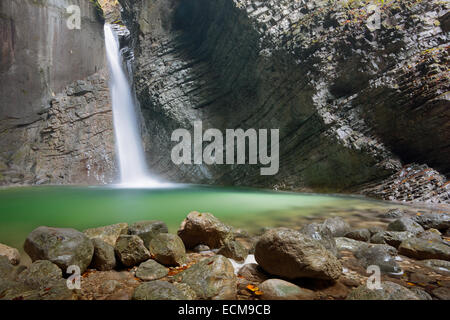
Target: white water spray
{"x":133,"y":168}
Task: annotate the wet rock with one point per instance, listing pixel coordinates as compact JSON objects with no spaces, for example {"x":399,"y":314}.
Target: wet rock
{"x":392,"y":238}
{"x":358,"y":234}
{"x":12,"y":290}
{"x":168,"y":249}
{"x":347,"y":244}
{"x":276,"y":289}
{"x":382,"y":256}
{"x":438,"y":266}
{"x":421,"y":294}
{"x":253,"y":273}
{"x":40,"y":274}
{"x":187,"y":290}
{"x":204,"y":228}
{"x":151,"y":270}
{"x":63,"y":247}
{"x":234,"y":250}
{"x":290,"y":254}
{"x":12,"y":254}
{"x":6,"y":268}
{"x":322,"y":234}
{"x":211,"y":278}
{"x":424,"y":249}
{"x":389,"y":291}
{"x":338,"y":226}
{"x":104,"y":258}
{"x":405,"y":224}
{"x":108,"y":234}
{"x":442,"y":293}
{"x":131,"y":250}
{"x":57,"y":291}
{"x":392,"y":214}
{"x":440,"y":221}
{"x":158,"y":290}
{"x":430,"y":234}
{"x":147,"y":230}
{"x":375,"y":230}
{"x":201,"y":248}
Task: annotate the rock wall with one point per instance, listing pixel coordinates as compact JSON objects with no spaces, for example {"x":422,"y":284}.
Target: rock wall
{"x":354,"y":101}
{"x":55,"y":111}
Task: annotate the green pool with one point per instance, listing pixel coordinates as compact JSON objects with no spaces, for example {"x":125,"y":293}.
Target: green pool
{"x":23,"y":209}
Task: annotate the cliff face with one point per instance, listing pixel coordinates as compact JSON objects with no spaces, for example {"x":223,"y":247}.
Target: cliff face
{"x":55,"y":110}
{"x":354,"y":100}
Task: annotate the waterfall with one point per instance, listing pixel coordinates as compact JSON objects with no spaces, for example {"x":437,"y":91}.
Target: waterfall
{"x":133,"y":168}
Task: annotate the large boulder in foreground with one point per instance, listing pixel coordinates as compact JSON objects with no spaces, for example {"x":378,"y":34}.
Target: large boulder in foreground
{"x":277,"y":289}
{"x":131,"y":250}
{"x":12,"y":254}
{"x":109,"y":234}
{"x":168,"y":249}
{"x":389,"y":291}
{"x":290,"y":254}
{"x":204,"y":228}
{"x":321,"y":233}
{"x":211,"y":278}
{"x":147,"y":230}
{"x":63,"y":247}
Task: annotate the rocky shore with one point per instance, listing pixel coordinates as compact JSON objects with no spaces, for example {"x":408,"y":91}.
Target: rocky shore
{"x":332,"y":259}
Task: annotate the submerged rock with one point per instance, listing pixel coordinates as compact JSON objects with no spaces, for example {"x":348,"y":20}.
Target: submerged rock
{"x":424,"y":249}
{"x":12,"y":254}
{"x":389,"y":291}
{"x":151,"y":270}
{"x":276,"y":289}
{"x":211,"y":278}
{"x":290,"y":254}
{"x":158,"y":290}
{"x":204,"y":228}
{"x":405,"y":224}
{"x":104,"y":258}
{"x":131,"y":250}
{"x":168,"y":249}
{"x":234,"y":250}
{"x":63,"y":247}
{"x":338,"y":226}
{"x":147,"y":230}
{"x":109,"y":234}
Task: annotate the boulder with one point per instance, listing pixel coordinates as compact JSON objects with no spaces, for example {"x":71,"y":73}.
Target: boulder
{"x":438,"y":266}
{"x":421,"y":294}
{"x":392,"y":238}
{"x":109,"y":234}
{"x":158,"y":290}
{"x":424,"y":249}
{"x":147,"y":230}
{"x":337,"y":226}
{"x":187,"y":290}
{"x":234,"y":250}
{"x":204,"y":228}
{"x":211,"y":278}
{"x":12,"y":254}
{"x":358,"y":234}
{"x":430,"y":234}
{"x":151,"y":270}
{"x":405,"y":224}
{"x":201,"y":248}
{"x":392,"y":214}
{"x":253,"y":273}
{"x":389,"y":291}
{"x":104,"y":258}
{"x":40,"y":274}
{"x":442,"y":293}
{"x":131,"y":250}
{"x":435,"y":220}
{"x":168,"y":249}
{"x":347,"y":244}
{"x":276,"y":289}
{"x":321,"y":233}
{"x":6,"y":268}
{"x":379,"y":255}
{"x":63,"y":247}
{"x":291,"y":254}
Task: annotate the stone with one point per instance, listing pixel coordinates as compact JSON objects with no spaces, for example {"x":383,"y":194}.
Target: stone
{"x":375,"y":230}
{"x":276,"y":289}
{"x":405,"y":224}
{"x":424,"y":249}
{"x":131,"y":250}
{"x":253,"y":273}
{"x":430,"y":234}
{"x":201,"y":248}
{"x":151,"y":270}
{"x":63,"y":247}
{"x":147,"y":230}
{"x":321,"y":233}
{"x":211,"y":278}
{"x":442,"y":293}
{"x":358,"y":234}
{"x":439,"y":221}
{"x":108,"y":234}
{"x":12,"y":254}
{"x":187,"y":290}
{"x":158,"y":290}
{"x":168,"y":249}
{"x":421,"y":294}
{"x":40,"y":274}
{"x":110,"y":286}
{"x":347,"y":244}
{"x":392,"y":214}
{"x":104,"y":258}
{"x":338,"y":226}
{"x":6,"y":268}
{"x":234,"y":250}
{"x":438,"y":266}
{"x":389,"y":291}
{"x":382,"y":256}
{"x":204,"y":228}
{"x":392,"y":238}
{"x":290,"y":254}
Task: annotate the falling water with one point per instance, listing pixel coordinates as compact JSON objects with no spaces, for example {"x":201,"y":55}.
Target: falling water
{"x":133,"y":169}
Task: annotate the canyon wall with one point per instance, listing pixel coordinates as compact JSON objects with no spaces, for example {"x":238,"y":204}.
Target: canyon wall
{"x":355,"y":98}
{"x":55,"y":109}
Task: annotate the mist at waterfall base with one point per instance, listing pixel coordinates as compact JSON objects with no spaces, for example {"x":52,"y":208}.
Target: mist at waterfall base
{"x":130,"y":153}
